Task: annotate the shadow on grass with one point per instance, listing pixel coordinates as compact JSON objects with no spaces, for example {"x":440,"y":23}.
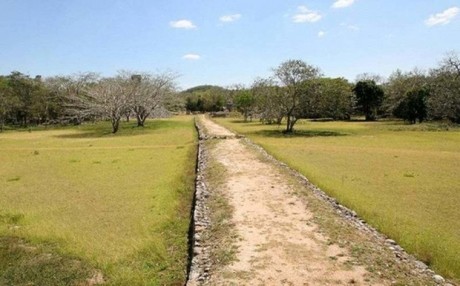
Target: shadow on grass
{"x":254,"y":122}
{"x":23,"y":263}
{"x":104,"y":129}
{"x":298,"y":133}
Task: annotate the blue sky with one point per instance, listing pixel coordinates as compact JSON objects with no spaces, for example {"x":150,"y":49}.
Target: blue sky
{"x":225,"y":42}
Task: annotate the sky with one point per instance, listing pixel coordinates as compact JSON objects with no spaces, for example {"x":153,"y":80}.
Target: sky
{"x":225,"y":42}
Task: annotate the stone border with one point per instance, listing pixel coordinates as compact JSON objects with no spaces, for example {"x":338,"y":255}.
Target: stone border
{"x":352,"y":217}
{"x":200,"y":262}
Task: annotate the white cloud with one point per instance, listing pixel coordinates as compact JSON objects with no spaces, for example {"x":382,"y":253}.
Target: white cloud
{"x":230,"y":18}
{"x":182,"y":24}
{"x":306,"y":15}
{"x":192,"y":57}
{"x":342,"y":3}
{"x":321,"y":34}
{"x":442,"y":18}
{"x":350,"y":27}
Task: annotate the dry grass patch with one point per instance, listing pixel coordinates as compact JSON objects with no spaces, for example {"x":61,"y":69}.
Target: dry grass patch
{"x":121,"y":203}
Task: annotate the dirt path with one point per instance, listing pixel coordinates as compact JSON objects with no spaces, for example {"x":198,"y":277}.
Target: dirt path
{"x":277,"y":242}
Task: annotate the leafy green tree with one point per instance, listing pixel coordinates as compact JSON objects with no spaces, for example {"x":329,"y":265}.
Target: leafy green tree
{"x":23,"y":87}
{"x":245,"y":103}
{"x":268,"y":97}
{"x":190,"y":104}
{"x":213,"y":99}
{"x":206,"y":98}
{"x":413,"y":106}
{"x":399,"y":84}
{"x":329,"y":98}
{"x":8,"y":101}
{"x":292,"y":74}
{"x":369,"y":98}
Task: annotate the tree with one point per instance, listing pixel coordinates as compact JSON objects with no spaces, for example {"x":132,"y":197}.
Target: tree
{"x":212,"y":99}
{"x":329,"y":98}
{"x":268,"y":98}
{"x":378,"y":79}
{"x":399,"y":84}
{"x":146,"y":92}
{"x":94,"y":97}
{"x":27,"y":91}
{"x":413,"y":106}
{"x":8,"y":101}
{"x":369,"y":98}
{"x":245,"y":103}
{"x":110,"y":98}
{"x":77,"y":102}
{"x":444,"y":100}
{"x":292,"y":74}
{"x":206,"y":98}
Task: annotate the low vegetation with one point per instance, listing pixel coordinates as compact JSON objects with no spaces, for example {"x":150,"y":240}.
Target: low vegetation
{"x":81,"y":203}
{"x":402,"y":179}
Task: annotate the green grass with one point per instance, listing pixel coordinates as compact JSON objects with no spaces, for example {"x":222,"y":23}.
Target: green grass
{"x":402,"y":179}
{"x":118,"y":204}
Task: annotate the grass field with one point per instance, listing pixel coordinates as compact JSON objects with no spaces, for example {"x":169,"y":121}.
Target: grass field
{"x":402,"y":179}
{"x":79,"y":201}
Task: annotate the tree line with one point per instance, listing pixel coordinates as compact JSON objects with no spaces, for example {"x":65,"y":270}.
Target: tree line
{"x":299,"y":90}
{"x":295,"y":90}
{"x":28,"y":101}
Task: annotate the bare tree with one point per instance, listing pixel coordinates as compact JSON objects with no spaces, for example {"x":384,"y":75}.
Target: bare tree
{"x":91,"y":97}
{"x":147,"y":93}
{"x":451,"y":64}
{"x":74,"y":90}
{"x":378,"y":79}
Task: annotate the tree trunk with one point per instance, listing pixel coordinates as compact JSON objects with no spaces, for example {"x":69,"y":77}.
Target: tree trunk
{"x":140,"y":120}
{"x":291,"y":120}
{"x":371,"y":114}
{"x":288,"y":124}
{"x":115,"y":125}
{"x":127,"y":117}
{"x":278,"y":120}
{"x":141,"y":115}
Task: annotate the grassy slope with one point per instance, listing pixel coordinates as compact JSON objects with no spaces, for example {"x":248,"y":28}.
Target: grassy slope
{"x":403,"y":179}
{"x":119,"y":202}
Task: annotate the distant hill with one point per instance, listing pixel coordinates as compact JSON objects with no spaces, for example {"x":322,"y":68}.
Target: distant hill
{"x":202,"y":88}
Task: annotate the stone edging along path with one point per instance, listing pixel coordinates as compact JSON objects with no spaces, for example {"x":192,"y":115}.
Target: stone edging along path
{"x":200,"y":260}
{"x":201,"y":265}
